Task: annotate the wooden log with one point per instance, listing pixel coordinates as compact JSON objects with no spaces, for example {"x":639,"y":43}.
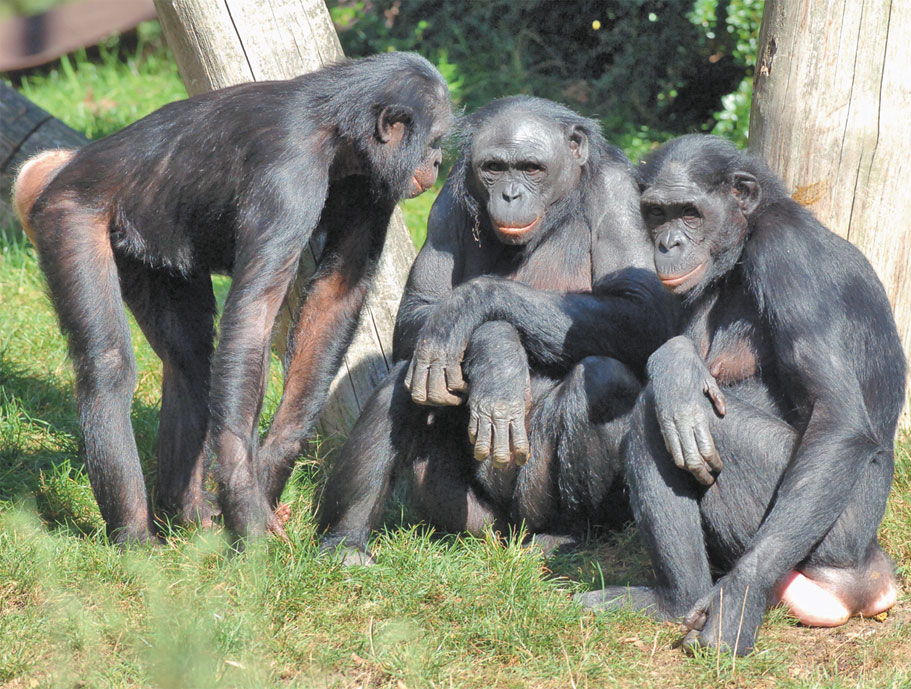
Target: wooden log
{"x":26,"y":130}
{"x":830,"y":114}
{"x":218,"y":43}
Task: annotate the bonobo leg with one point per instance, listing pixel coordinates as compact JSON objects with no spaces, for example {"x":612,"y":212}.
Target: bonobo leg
{"x":846,"y":573}
{"x":393,"y":432}
{"x":176,"y":315}
{"x":672,"y":509}
{"x":575,"y":427}
{"x":76,"y":256}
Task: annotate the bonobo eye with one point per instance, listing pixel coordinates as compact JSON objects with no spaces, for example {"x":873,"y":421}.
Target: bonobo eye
{"x":493,"y":166}
{"x":436,"y":143}
{"x":531,"y":168}
{"x":690,"y":213}
{"x":654,"y":213}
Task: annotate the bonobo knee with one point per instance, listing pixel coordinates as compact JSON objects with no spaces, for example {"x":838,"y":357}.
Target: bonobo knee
{"x":607,"y":384}
{"x":112,"y":370}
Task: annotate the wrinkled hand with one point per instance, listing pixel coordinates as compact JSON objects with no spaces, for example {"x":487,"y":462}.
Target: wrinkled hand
{"x":435,"y":374}
{"x":727,"y":617}
{"x":686,"y":396}
{"x":496,"y":424}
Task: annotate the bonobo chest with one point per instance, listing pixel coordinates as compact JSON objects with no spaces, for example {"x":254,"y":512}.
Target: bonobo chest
{"x":726,"y":328}
{"x":561,"y":262}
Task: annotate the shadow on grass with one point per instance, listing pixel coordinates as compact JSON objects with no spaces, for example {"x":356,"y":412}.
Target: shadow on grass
{"x":41,"y":455}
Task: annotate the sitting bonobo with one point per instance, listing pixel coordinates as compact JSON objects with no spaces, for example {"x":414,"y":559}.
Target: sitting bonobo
{"x":524,"y":329}
{"x":762,"y":447}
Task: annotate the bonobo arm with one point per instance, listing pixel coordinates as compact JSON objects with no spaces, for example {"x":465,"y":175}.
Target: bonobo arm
{"x":685,"y":392}
{"x":618,"y":319}
{"x":325,"y":324}
{"x":434,"y":273}
{"x":816,"y":338}
{"x":267,"y":256}
{"x":499,"y":394}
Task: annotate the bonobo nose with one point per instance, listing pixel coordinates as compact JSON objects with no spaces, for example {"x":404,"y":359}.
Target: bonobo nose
{"x":670,"y":239}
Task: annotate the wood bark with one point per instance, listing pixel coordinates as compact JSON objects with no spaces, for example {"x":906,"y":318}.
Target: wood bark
{"x":219,"y":43}
{"x":830,"y":114}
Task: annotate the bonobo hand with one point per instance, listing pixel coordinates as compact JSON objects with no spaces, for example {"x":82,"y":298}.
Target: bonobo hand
{"x":435,"y":374}
{"x":496,"y":424}
{"x":685,"y":393}
{"x":727,"y":617}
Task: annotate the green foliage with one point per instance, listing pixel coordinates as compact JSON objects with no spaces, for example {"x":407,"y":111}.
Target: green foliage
{"x":648,"y":70}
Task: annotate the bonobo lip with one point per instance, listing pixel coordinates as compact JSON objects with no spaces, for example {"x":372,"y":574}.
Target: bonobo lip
{"x":677,"y":280}
{"x":517,"y":231}
{"x":418,"y":188}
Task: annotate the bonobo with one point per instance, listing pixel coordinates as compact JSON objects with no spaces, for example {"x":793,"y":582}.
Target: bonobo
{"x":761,"y":448}
{"x":234,"y":181}
{"x":525,"y":325}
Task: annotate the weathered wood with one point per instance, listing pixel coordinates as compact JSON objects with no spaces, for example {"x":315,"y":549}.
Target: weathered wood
{"x":26,"y":130}
{"x":218,"y":43}
{"x":830,"y":112}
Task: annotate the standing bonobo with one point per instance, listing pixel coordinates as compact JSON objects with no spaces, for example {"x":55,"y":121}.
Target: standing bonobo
{"x":762,"y":446}
{"x":514,"y":377}
{"x":234,"y":181}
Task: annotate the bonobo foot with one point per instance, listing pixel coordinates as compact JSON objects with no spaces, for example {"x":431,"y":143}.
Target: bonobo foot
{"x":727,"y":617}
{"x":551,"y":545}
{"x":638,"y":598}
{"x":347,"y":555}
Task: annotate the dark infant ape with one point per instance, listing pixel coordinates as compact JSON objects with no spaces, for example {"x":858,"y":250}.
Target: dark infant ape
{"x":790,"y":372}
{"x":233,"y":181}
{"x":499,"y":313}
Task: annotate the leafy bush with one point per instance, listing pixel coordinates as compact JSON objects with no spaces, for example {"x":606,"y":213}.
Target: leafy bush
{"x":648,"y":69}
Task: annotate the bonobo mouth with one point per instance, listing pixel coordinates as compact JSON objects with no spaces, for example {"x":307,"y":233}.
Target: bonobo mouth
{"x":517,"y":231}
{"x":416,"y":187}
{"x":677,"y":280}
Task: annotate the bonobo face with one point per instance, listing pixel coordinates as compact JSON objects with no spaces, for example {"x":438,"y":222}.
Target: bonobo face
{"x":697,"y":233}
{"x":410,"y":134}
{"x":520,"y":166}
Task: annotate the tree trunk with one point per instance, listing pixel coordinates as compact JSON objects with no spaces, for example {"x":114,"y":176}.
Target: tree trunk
{"x":218,"y":43}
{"x":831,"y":102}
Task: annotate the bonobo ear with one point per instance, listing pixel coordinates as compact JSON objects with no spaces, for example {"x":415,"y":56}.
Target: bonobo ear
{"x":746,"y":188}
{"x":392,"y":123}
{"x":578,"y":145}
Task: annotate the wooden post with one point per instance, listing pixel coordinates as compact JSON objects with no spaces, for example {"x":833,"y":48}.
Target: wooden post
{"x":218,"y":43}
{"x":26,"y":130}
{"x":831,"y":102}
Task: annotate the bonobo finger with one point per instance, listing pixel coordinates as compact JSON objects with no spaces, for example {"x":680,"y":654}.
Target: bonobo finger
{"x":419,"y":381}
{"x":437,"y":393}
{"x":692,"y":458}
{"x":473,"y":427}
{"x":454,"y":380}
{"x":707,"y":448}
{"x":521,"y":448}
{"x":482,"y":441}
{"x":696,"y":618}
{"x":500,"y":455}
{"x":409,"y":375}
{"x":714,"y":392}
{"x":672,"y":443}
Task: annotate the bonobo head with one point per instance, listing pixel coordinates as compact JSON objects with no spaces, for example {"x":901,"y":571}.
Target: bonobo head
{"x":394,"y":109}
{"x":700,"y":196}
{"x":521,"y":157}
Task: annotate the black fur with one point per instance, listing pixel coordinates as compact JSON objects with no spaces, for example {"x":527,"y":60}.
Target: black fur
{"x":551,"y":364}
{"x":234,"y":181}
{"x":790,"y":336}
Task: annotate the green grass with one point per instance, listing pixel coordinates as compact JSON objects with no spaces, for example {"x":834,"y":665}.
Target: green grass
{"x":436,"y":612}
